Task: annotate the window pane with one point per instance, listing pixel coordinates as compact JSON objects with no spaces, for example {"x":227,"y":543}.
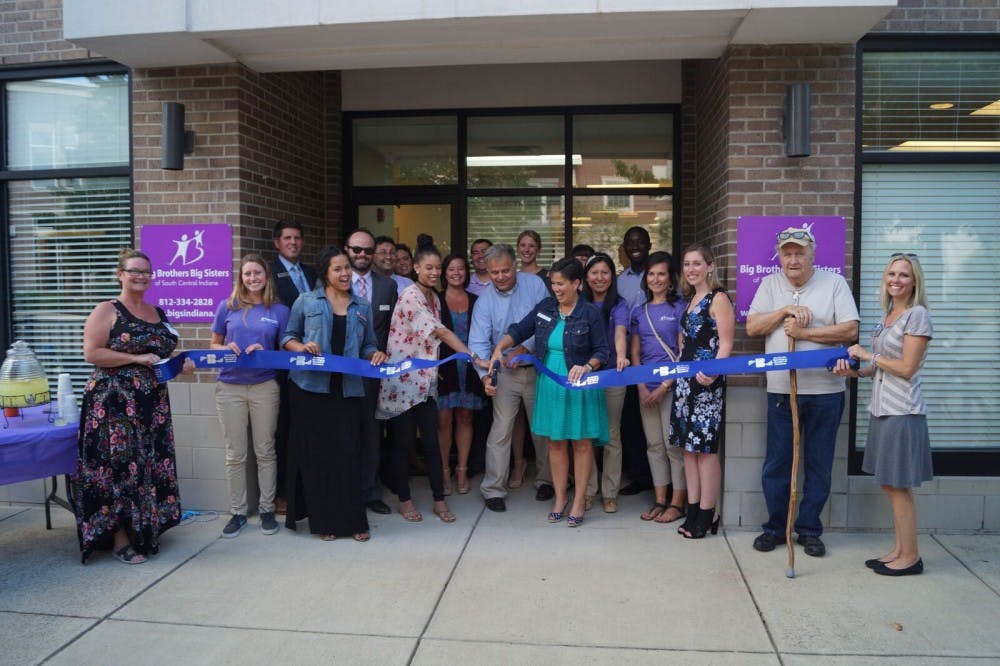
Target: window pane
{"x":521,"y":151}
{"x":406,"y":151}
{"x":501,"y":219}
{"x":79,"y":121}
{"x":931,"y":102}
{"x":947,"y":216}
{"x":601,"y":221}
{"x":65,"y":236}
{"x":623,"y":150}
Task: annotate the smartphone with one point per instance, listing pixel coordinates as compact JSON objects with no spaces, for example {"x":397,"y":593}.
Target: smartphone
{"x":494,"y":373}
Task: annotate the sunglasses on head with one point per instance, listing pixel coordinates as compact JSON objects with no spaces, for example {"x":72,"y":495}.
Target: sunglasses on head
{"x":798,"y":235}
{"x":361,"y":250}
{"x":908,"y":255}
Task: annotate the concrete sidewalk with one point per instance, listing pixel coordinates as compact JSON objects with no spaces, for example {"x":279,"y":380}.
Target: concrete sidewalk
{"x":490,"y":589}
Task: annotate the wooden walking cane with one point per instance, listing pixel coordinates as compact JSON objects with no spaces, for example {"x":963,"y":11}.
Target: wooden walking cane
{"x":793,"y":494}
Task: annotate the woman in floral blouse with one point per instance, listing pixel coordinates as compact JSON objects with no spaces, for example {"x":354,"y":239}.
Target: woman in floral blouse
{"x":409,"y":399}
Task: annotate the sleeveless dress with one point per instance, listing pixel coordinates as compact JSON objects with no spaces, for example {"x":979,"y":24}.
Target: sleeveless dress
{"x":562,"y":413}
{"x":463,"y":397}
{"x":126,"y":474}
{"x":696,"y":416}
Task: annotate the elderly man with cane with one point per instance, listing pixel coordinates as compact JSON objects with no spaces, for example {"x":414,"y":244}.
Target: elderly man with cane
{"x":801,"y":308}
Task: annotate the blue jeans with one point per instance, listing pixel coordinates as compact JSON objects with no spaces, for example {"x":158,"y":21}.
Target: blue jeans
{"x":819,"y":417}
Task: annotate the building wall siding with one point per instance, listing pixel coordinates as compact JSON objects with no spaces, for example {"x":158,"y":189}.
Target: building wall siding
{"x":31,"y":33}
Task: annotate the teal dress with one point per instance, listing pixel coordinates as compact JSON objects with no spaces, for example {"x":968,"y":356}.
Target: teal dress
{"x":562,"y":413}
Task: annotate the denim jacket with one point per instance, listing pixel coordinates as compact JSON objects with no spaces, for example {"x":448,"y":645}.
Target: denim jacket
{"x":311,"y":320}
{"x":584,"y":334}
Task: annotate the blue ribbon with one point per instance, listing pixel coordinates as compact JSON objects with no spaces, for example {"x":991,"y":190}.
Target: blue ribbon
{"x":655,"y":373}
{"x":282,"y":360}
{"x":652,"y":373}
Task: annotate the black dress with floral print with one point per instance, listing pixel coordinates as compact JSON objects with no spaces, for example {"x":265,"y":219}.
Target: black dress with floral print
{"x":697,"y":410}
{"x":126,"y":475}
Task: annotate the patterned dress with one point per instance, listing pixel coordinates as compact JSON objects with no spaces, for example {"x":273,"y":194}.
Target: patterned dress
{"x":126,"y":475}
{"x":463,"y":397}
{"x":696,"y":416}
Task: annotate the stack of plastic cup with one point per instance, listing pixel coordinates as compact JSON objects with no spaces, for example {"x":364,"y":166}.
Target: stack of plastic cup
{"x":69,"y":412}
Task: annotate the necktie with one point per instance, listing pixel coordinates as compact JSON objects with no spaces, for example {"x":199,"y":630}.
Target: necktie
{"x":299,"y":279}
{"x":362,"y":288}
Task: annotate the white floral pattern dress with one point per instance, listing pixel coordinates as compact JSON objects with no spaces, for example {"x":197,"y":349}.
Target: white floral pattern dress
{"x":696,"y":416}
{"x":411,"y":335}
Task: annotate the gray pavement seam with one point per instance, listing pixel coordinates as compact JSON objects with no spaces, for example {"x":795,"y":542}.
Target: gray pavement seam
{"x":451,"y":574}
{"x":125,"y":603}
{"x":965,"y":566}
{"x":16,"y":513}
{"x":753,"y":597}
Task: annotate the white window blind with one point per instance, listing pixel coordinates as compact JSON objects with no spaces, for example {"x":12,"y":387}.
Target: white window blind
{"x":502,"y":219}
{"x":932,"y":101}
{"x":65,"y":236}
{"x":950,"y":217}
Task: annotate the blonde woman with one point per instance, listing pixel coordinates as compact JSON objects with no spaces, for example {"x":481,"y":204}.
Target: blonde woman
{"x":252,"y":318}
{"x":898,"y":450}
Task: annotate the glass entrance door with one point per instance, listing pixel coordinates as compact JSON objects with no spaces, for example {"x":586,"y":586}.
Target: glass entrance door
{"x":402,"y":222}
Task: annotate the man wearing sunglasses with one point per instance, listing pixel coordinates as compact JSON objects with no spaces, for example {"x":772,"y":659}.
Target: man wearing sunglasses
{"x":380,"y":291}
{"x":816,"y":310}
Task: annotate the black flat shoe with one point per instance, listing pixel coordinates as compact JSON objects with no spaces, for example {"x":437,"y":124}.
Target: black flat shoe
{"x":812,"y":545}
{"x":912,"y":570}
{"x":766,"y":542}
{"x":545,"y":492}
{"x":496,"y":504}
{"x":634,"y":489}
{"x":380,"y":507}
{"x":874,"y":564}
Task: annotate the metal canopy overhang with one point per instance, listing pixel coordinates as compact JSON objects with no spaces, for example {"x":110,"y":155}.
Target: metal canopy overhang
{"x":326,"y":35}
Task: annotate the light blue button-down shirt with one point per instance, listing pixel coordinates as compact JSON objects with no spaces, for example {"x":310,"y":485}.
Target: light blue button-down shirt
{"x":496,"y":310}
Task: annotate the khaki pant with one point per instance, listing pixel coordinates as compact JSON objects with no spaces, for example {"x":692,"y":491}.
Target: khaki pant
{"x":611,"y":480}
{"x":237,"y":405}
{"x":666,"y":463}
{"x":513,"y":386}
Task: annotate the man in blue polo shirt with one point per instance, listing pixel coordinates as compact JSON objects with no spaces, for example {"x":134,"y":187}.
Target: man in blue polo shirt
{"x":507,"y":300}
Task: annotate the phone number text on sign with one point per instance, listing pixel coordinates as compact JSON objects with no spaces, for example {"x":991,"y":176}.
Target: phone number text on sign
{"x":179,"y":302}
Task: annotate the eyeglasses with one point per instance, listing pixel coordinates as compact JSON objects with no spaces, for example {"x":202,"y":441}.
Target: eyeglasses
{"x":908,"y":255}
{"x":361,"y":250}
{"x":798,"y":235}
{"x":135,"y":272}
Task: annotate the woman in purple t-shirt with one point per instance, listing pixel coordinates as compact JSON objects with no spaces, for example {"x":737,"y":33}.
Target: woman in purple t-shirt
{"x":599,"y":288}
{"x":655,"y":329}
{"x":251,"y":319}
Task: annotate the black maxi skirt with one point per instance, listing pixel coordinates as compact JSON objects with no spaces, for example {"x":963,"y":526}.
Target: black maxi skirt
{"x":324,"y":463}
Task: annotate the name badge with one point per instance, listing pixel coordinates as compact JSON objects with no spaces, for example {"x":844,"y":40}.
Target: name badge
{"x":544,"y":317}
{"x":385,"y":307}
{"x":281,"y":275}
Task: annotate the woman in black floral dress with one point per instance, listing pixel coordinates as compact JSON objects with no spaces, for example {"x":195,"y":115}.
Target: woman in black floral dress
{"x":707,"y":330}
{"x":126,"y":479}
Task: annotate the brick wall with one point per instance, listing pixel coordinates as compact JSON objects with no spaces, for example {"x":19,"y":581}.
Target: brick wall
{"x":31,"y":33}
{"x":923,"y":16}
{"x":737,"y":161}
{"x":262,"y":151}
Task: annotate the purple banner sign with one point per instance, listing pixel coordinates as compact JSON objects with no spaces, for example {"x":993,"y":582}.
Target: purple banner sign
{"x":192,"y":268}
{"x":756,"y":256}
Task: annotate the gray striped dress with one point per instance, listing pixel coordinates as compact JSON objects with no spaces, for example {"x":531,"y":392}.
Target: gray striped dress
{"x":898,"y":450}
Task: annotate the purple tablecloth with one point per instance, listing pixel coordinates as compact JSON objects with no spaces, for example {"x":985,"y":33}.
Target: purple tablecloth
{"x":33,"y":448}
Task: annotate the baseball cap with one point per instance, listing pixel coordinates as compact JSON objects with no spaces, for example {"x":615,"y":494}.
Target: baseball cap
{"x":796,"y":235}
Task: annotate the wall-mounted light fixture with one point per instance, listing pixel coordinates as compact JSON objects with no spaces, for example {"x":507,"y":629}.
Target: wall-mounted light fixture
{"x":795,"y":125}
{"x":176,"y":141}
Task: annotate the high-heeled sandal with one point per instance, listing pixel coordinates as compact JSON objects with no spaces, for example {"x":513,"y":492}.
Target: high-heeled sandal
{"x":517,"y":474}
{"x":690,"y":519}
{"x":446,"y":478}
{"x":704,"y":525}
{"x":462,"y":480}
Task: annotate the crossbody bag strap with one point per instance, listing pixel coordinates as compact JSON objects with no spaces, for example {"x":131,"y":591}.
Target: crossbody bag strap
{"x":670,"y":352}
